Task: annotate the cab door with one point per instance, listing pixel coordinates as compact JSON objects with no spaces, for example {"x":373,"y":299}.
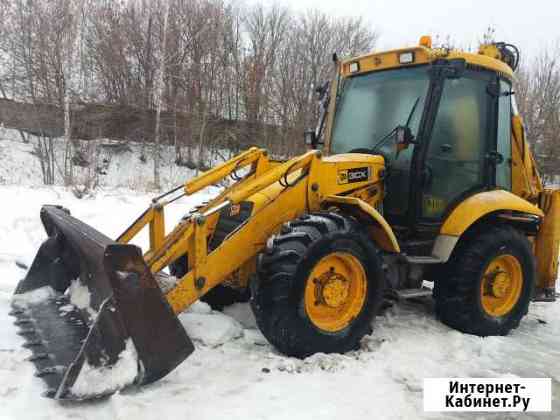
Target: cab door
{"x":455,"y":160}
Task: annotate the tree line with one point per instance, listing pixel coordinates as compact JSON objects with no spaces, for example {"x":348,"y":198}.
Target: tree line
{"x":201,"y":75}
{"x":537,"y":92}
{"x":196,"y":62}
{"x":536,"y":87}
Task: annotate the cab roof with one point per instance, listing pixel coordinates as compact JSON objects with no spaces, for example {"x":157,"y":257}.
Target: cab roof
{"x":421,"y":54}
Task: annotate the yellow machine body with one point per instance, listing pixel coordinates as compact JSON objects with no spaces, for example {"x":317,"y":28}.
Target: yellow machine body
{"x":325,"y":185}
{"x":312,"y":184}
{"x":527,"y":196}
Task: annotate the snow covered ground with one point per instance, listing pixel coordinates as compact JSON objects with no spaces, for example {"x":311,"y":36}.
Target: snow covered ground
{"x":120,"y":167}
{"x":235,"y":374}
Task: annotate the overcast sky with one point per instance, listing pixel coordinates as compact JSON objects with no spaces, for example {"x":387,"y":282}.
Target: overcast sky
{"x":531,"y":25}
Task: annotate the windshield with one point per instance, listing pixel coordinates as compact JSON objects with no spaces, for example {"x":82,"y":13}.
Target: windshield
{"x":371,"y":105}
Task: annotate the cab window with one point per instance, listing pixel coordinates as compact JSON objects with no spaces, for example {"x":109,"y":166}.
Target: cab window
{"x":369,"y":108}
{"x":455,"y":160}
{"x":503,"y":168}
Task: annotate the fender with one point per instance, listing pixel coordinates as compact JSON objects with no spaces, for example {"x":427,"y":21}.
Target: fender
{"x":481,"y":204}
{"x":383,"y":234}
{"x":470,"y":211}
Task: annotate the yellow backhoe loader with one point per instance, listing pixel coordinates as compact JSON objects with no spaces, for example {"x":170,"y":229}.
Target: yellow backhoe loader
{"x":418,"y":170}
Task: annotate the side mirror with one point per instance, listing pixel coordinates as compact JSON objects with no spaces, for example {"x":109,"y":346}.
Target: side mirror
{"x":310,"y":139}
{"x":322,"y":90}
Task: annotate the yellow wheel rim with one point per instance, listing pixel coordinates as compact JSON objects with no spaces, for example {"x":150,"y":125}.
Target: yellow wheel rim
{"x":335,"y":291}
{"x":501,"y":285}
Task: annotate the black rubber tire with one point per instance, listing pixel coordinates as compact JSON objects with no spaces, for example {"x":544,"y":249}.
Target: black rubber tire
{"x":283,"y":269}
{"x":222,"y":296}
{"x":218,"y":297}
{"x":457,"y":287}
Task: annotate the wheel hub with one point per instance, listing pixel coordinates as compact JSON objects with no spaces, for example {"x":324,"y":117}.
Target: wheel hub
{"x":334,"y":291}
{"x":501,"y":285}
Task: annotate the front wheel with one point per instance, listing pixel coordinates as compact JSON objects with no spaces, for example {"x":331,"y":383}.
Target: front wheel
{"x":319,"y":284}
{"x":486,"y":287}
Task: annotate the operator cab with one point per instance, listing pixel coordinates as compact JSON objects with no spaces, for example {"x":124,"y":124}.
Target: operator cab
{"x":444,"y":104}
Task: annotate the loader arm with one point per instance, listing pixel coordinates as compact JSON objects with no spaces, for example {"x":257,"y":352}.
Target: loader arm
{"x":191,"y":235}
{"x":206,"y":270}
{"x":277,"y":192}
{"x":256,"y":159}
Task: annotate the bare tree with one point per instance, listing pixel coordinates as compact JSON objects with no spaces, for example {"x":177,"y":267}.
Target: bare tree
{"x":207,"y":76}
{"x":159,"y":96}
{"x":538,"y":97}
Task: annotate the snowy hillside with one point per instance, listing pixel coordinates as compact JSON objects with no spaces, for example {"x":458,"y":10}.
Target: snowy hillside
{"x":235,"y":374}
{"x":114,"y":166}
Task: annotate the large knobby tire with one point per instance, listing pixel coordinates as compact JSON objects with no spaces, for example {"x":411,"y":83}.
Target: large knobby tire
{"x":301,"y":308}
{"x":486,"y":287}
{"x":218,"y":297}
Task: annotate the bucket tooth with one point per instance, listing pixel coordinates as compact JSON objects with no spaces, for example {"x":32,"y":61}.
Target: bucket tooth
{"x":47,"y":371}
{"x":27,"y":332}
{"x":38,"y":356}
{"x":49,"y":393}
{"x":16,"y":312}
{"x":23,"y":321}
{"x":32,"y":343}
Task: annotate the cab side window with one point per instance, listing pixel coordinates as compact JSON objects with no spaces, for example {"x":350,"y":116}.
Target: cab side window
{"x":503,"y":168}
{"x":455,"y":157}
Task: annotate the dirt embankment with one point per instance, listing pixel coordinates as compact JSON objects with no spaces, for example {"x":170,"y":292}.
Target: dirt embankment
{"x":90,"y":121}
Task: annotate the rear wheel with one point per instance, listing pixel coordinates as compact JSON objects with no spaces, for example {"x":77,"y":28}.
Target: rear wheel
{"x":485,"y":289}
{"x":319,"y":284}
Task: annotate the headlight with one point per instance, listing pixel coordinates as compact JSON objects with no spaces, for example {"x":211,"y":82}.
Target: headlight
{"x":406,"y":58}
{"x":354,"y":67}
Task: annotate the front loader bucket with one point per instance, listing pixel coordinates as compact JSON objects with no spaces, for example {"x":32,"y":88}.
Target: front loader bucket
{"x":93,"y":315}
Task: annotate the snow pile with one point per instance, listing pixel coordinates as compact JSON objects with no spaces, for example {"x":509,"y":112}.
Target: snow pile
{"x":33,"y":296}
{"x":80,"y":297}
{"x":243,"y":313}
{"x":211,"y":329}
{"x":166,"y":282}
{"x":199,"y":307}
{"x":79,"y":294}
{"x":318,"y":361}
{"x":254,"y":336}
{"x":96,"y":380}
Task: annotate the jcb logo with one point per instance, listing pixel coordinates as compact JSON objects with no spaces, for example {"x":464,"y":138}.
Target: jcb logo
{"x":346,"y":176}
